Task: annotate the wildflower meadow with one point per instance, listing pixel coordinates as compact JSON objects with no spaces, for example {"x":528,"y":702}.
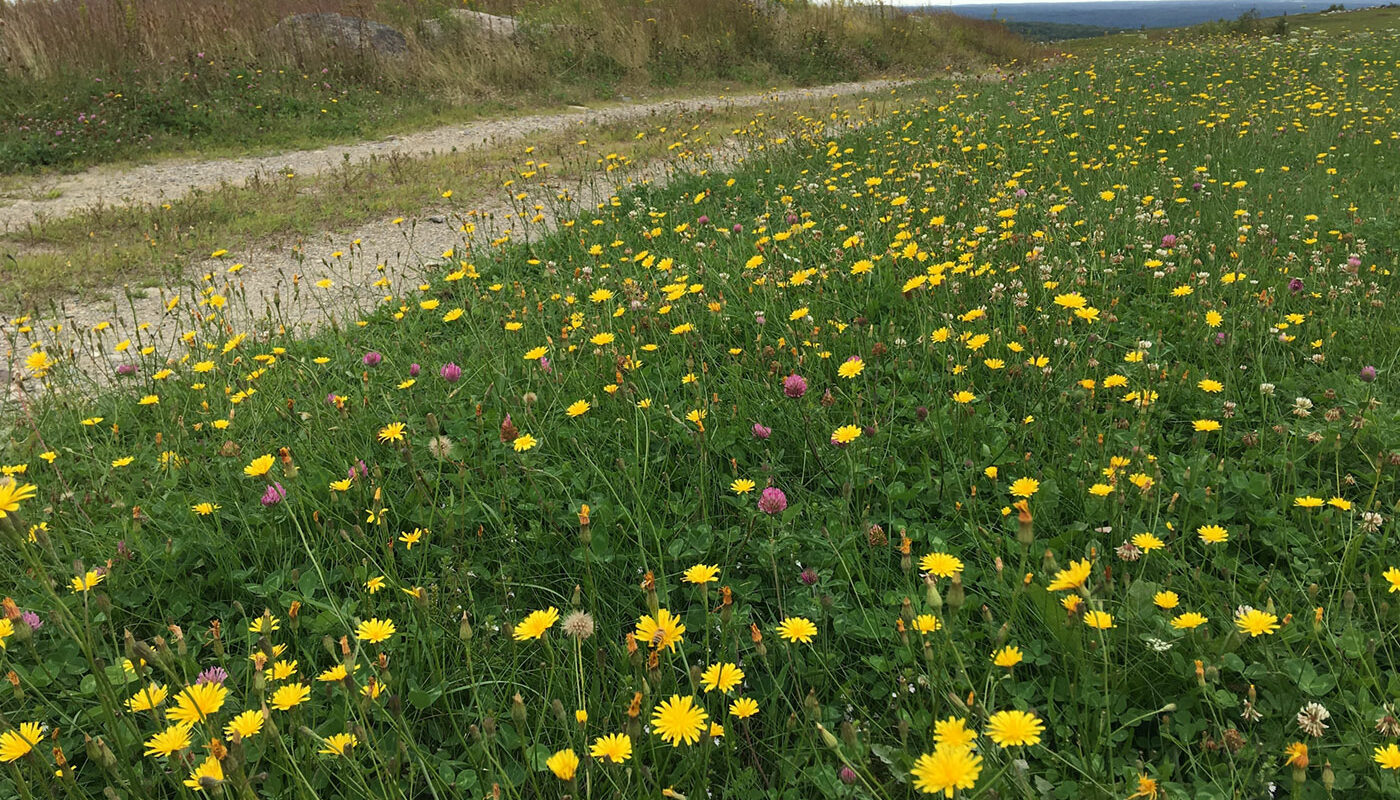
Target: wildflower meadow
{"x":1033,"y":438}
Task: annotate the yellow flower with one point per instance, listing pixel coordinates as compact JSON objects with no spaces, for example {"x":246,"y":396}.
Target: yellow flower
{"x":173,"y":739}
{"x":535,"y":624}
{"x":845,"y":434}
{"x":1255,"y":622}
{"x":17,"y":743}
{"x":339,"y":744}
{"x":375,"y":584}
{"x":946,"y":770}
{"x":1388,"y":757}
{"x":1146,"y":542}
{"x":1210,"y":386}
{"x":1101,"y":620}
{"x":246,"y":724}
{"x":1307,"y":502}
{"x":290,"y":695}
{"x":851,"y":368}
{"x":744,"y":707}
{"x":147,"y":699}
{"x":1007,"y":657}
{"x":375,"y":631}
{"x":12,"y":494}
{"x":723,"y":677}
{"x":1212,"y":534}
{"x":259,"y":467}
{"x":524,"y":442}
{"x":1072,"y":578}
{"x":536,"y":354}
{"x":964,"y":397}
{"x":1205,"y":425}
{"x":1392,"y":577}
{"x":663,"y":632}
{"x":1188,"y":621}
{"x":1024,"y":487}
{"x":678,"y":720}
{"x":1166,"y":600}
{"x":205,"y":509}
{"x":953,"y":732}
{"x":87,"y":581}
{"x":578,"y":408}
{"x":410,"y":538}
{"x":1014,"y":729}
{"x":797,"y":629}
{"x":198,"y":703}
{"x":741,"y":486}
{"x":393,"y":432}
{"x":943,"y":565}
{"x":927,"y":623}
{"x":701,"y":573}
{"x":615,"y":747}
{"x":209,"y":773}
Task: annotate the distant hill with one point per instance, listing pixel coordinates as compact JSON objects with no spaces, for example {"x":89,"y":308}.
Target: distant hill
{"x":1133,"y":14}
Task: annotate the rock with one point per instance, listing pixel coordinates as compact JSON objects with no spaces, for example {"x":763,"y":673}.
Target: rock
{"x":337,"y":30}
{"x":491,"y":26}
{"x":437,"y":218}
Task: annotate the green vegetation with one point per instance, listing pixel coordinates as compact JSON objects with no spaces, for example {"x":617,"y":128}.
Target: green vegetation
{"x":95,"y":81}
{"x":1038,"y":441}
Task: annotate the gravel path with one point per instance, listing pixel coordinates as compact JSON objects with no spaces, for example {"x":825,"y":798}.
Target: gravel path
{"x":60,"y":196}
{"x":277,"y":288}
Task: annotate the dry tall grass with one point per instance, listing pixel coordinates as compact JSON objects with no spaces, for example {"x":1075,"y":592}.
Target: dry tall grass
{"x":636,"y":41}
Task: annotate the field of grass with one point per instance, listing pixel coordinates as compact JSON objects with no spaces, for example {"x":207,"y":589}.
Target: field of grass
{"x":1037,"y":441}
{"x":105,"y":80}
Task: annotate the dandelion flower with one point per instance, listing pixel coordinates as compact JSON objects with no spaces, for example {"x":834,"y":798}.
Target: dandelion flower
{"x":1388,"y":757}
{"x":524,"y":442}
{"x":375,"y":631}
{"x":1024,"y":487}
{"x":289,"y":696}
{"x":1255,"y":622}
{"x":943,"y":565}
{"x":209,"y":773}
{"x":1189,"y":620}
{"x":797,"y":629}
{"x":173,"y":739}
{"x":723,"y":677}
{"x":339,"y":744}
{"x":12,"y":494}
{"x":953,"y":732}
{"x":535,"y":624}
{"x":1071,"y":578}
{"x":701,"y":573}
{"x":1007,"y":657}
{"x":1014,"y":728}
{"x":744,"y":707}
{"x":393,"y":432}
{"x":15,"y":744}
{"x":1212,"y":534}
{"x":946,"y":770}
{"x":678,"y":720}
{"x":246,"y":724}
{"x":259,"y":467}
{"x":198,"y":703}
{"x":663,"y":632}
{"x":1101,"y":620}
{"x":615,"y":747}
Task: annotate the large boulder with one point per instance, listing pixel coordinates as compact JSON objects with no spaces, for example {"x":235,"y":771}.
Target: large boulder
{"x":490,"y":26}
{"x":338,"y":30}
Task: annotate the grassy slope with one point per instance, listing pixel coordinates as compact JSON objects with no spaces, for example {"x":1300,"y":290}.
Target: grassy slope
{"x":999,"y":263}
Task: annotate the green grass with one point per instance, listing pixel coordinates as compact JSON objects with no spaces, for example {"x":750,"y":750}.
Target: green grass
{"x":1168,"y":324}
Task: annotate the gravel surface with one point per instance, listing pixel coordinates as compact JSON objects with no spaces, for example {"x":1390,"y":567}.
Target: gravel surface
{"x":61,"y":196}
{"x":277,"y":287}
